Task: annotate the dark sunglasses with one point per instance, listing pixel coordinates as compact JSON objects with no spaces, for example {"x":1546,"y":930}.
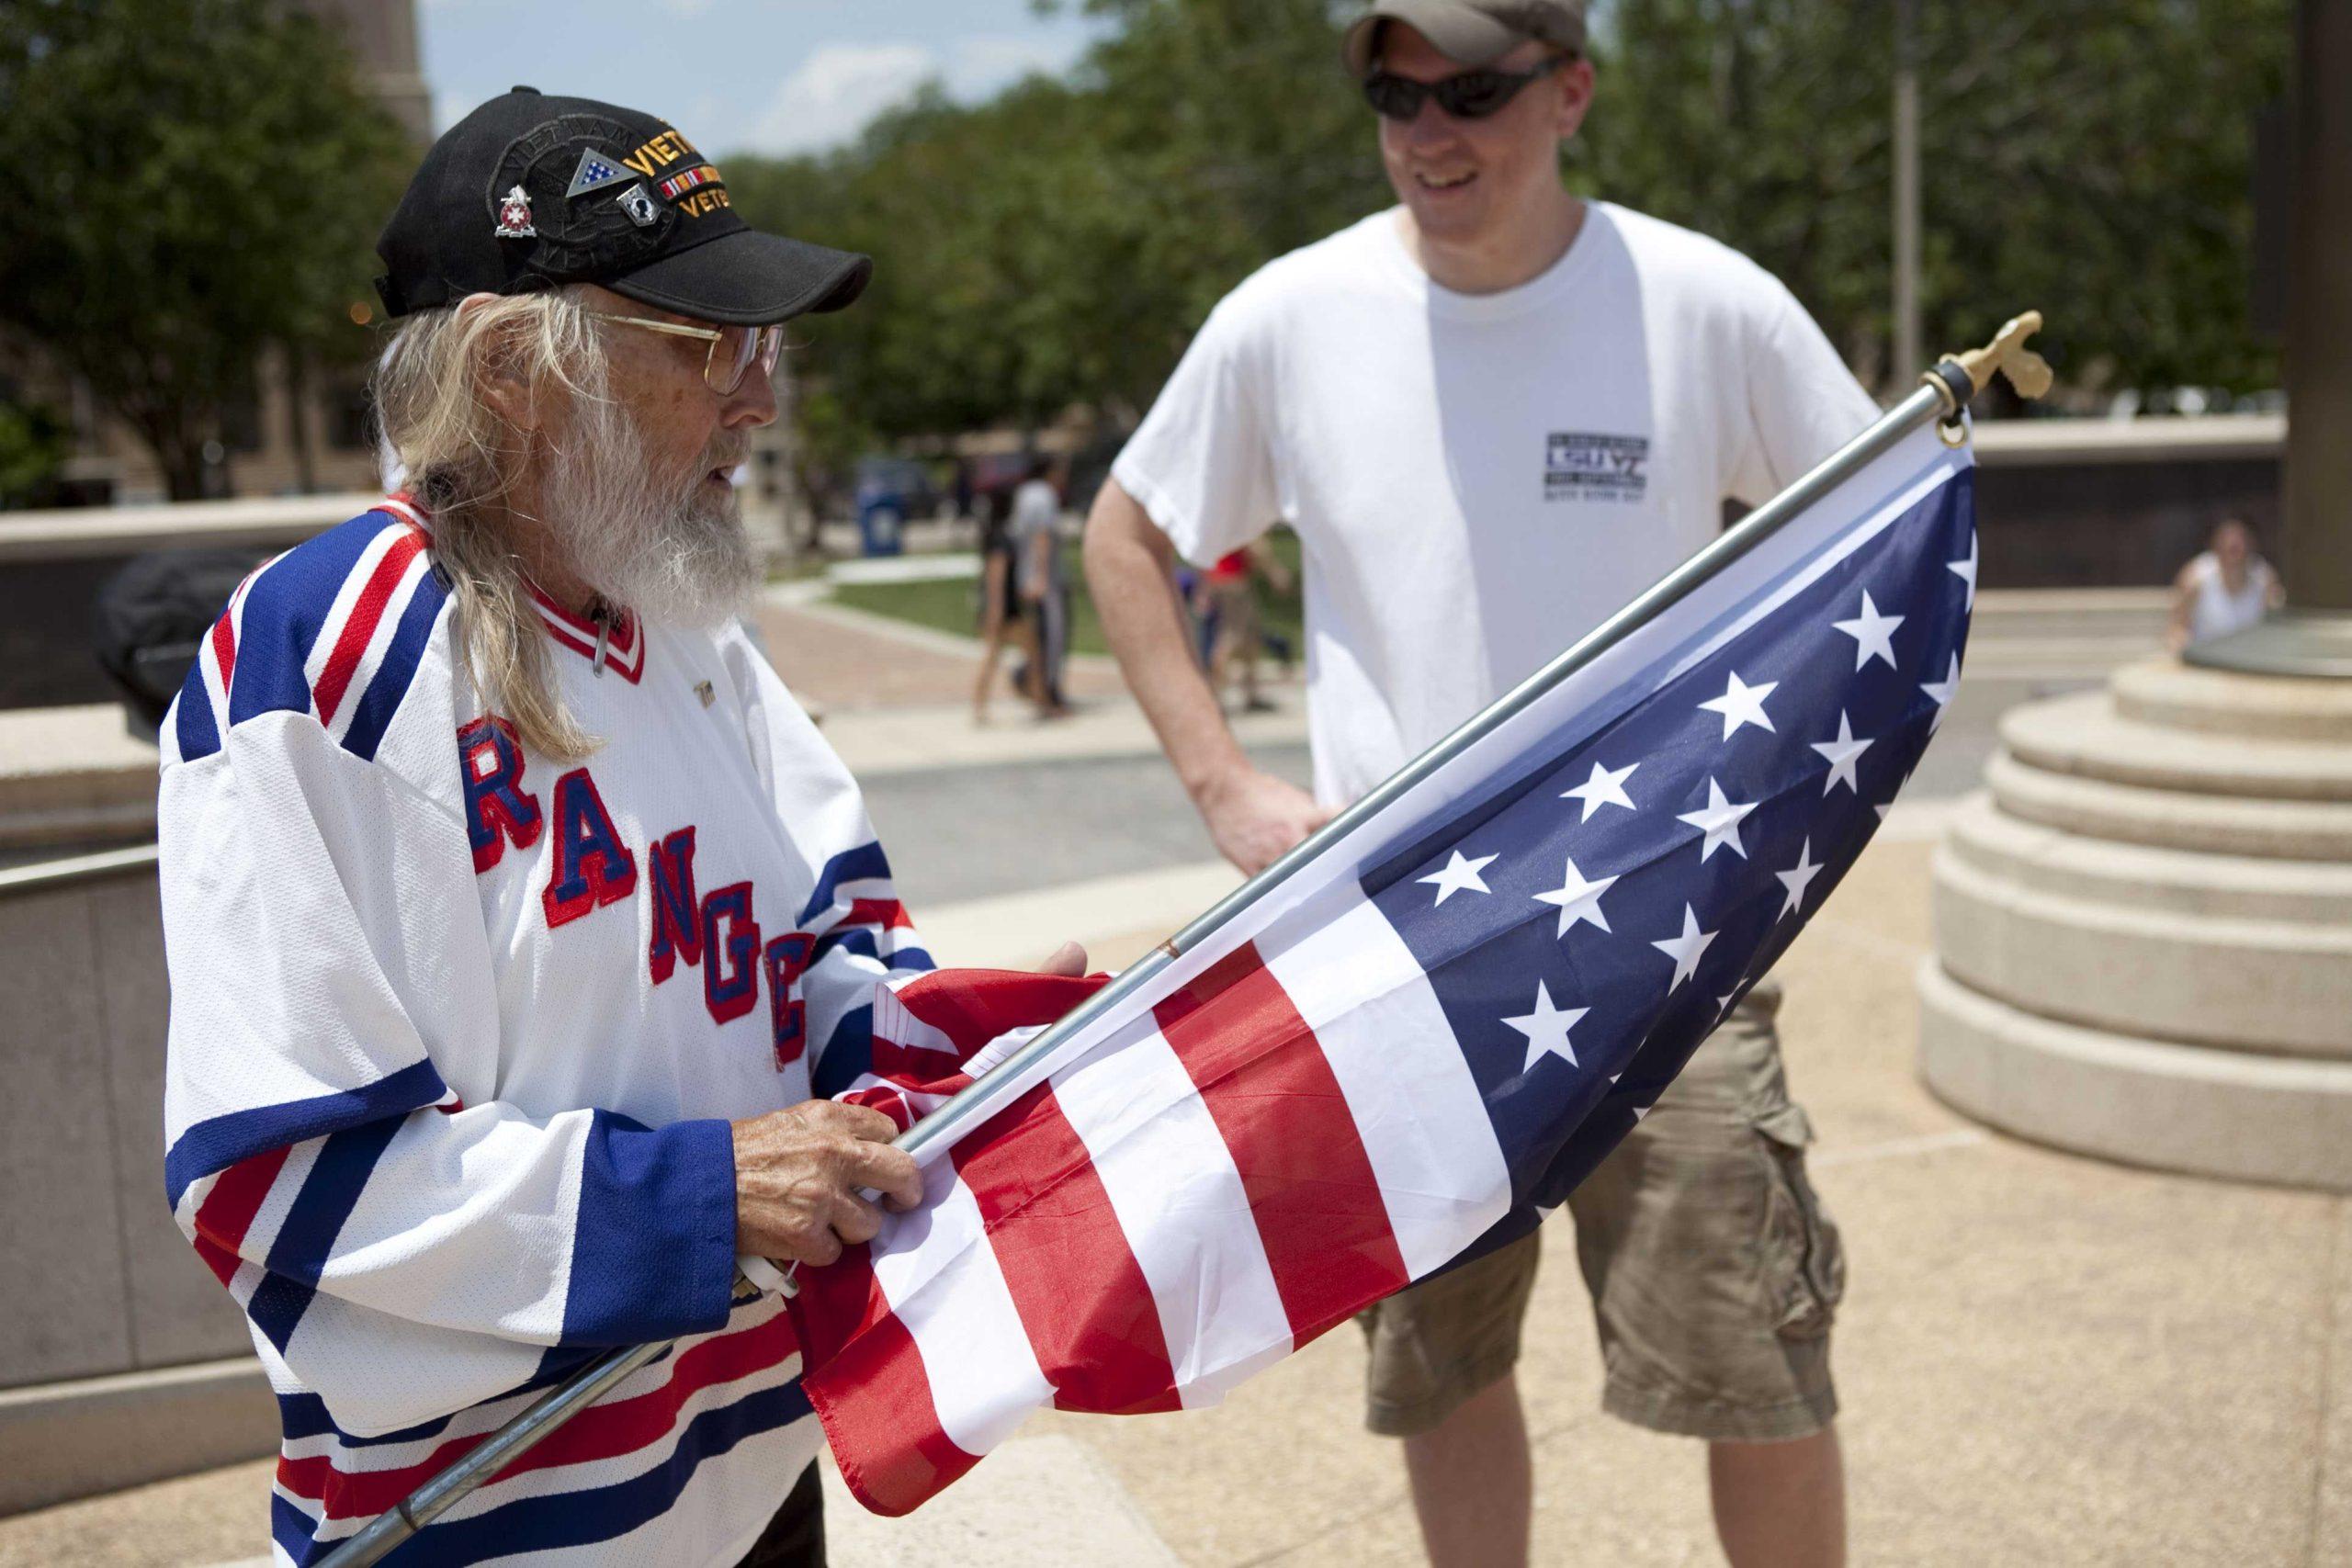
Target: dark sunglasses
{"x":1471,"y":95}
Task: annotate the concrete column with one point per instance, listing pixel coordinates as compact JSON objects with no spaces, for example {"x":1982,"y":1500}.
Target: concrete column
{"x":2144,"y":927}
{"x":2313,"y":635}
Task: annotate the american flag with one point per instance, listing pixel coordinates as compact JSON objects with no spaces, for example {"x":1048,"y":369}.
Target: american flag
{"x":1420,"y":1041}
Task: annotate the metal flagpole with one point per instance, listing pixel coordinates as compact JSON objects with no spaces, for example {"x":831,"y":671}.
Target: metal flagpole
{"x":1944,"y":391}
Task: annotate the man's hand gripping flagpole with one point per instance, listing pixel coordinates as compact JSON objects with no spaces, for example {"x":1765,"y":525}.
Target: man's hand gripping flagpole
{"x":1942,"y":396}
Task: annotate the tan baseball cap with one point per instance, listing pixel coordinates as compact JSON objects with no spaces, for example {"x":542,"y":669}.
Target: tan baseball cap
{"x":1476,"y":32}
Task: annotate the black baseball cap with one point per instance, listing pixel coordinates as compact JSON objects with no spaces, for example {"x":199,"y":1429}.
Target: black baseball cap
{"x":530,"y":191}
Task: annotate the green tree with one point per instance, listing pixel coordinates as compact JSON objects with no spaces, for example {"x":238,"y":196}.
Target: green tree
{"x":198,"y":181}
{"x":1059,"y":245}
{"x":2092,"y":158}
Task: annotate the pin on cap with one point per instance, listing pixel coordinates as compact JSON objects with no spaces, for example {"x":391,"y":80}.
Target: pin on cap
{"x":514,"y":216}
{"x":597,"y":169}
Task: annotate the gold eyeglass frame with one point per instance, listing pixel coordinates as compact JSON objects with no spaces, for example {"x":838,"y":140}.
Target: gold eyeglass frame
{"x":767,"y":344}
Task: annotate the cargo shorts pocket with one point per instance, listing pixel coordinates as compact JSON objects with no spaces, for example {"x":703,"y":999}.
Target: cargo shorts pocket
{"x":1803,"y":1257}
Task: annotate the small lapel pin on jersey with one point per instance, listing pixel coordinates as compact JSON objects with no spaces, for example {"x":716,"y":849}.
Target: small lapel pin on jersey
{"x":703,"y":690}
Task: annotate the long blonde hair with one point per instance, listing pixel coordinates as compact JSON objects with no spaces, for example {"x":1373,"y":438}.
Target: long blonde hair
{"x":459,"y":456}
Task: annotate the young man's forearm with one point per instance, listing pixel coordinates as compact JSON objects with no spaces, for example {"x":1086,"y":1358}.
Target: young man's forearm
{"x":1127,"y":563}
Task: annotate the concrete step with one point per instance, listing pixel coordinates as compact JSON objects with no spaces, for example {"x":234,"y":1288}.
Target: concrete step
{"x":2103,"y":954}
{"x":2192,"y":883}
{"x":2084,"y":736}
{"x":2173,"y":695}
{"x":2146,"y":1103}
{"x":2172,"y":819}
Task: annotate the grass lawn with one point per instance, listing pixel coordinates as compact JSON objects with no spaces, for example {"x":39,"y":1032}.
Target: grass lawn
{"x":952,"y":605}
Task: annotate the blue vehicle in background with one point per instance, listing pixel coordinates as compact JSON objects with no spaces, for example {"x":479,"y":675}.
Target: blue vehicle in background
{"x":890,"y":491}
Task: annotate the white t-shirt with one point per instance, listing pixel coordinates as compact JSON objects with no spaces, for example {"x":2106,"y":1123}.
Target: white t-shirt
{"x":1479,"y":480}
{"x":2215,"y":611}
{"x":1036,"y":509}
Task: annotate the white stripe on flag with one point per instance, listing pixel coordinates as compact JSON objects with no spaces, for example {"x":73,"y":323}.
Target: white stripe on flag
{"x":1181,"y":1202}
{"x":943,"y":1283}
{"x":1417,"y":1108}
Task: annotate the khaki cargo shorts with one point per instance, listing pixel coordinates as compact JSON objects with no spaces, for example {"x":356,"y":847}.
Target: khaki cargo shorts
{"x":1714,"y":1271}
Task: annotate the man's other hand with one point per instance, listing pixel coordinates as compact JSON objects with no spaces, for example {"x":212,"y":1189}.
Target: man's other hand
{"x":800,"y":1174}
{"x":1254,"y":818}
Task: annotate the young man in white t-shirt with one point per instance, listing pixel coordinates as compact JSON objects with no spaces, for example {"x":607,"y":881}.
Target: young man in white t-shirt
{"x":1494,"y":414}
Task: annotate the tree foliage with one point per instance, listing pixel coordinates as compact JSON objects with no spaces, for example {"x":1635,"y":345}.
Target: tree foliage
{"x":2091,"y":158}
{"x":1058,"y":245}
{"x":200,"y":180}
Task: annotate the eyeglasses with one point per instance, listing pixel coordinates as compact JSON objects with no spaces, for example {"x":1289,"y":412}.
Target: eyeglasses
{"x":732,"y":349}
{"x":1470,"y":95}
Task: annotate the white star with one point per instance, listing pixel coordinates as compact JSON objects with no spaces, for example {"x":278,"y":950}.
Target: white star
{"x":1459,"y":874}
{"x":1742,"y":703}
{"x":1797,"y":878}
{"x":1578,"y":899}
{"x":1720,"y":821}
{"x":1966,"y":571}
{"x":1685,"y":950}
{"x":1604,"y":788}
{"x":1873,"y":634}
{"x":1723,"y":1003}
{"x":1547,"y":1028}
{"x":1841,"y":753}
{"x":1942,"y":692}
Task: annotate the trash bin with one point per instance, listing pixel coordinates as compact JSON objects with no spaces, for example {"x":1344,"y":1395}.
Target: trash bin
{"x":880,"y":529}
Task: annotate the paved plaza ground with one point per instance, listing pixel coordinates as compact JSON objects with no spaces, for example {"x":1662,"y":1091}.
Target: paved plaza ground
{"x":2043,"y":1359}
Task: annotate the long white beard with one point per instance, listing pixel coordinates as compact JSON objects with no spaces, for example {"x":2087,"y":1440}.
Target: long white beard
{"x":657,"y":543}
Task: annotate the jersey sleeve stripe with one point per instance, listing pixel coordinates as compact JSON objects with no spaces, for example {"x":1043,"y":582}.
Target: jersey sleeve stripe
{"x":298,"y":1255}
{"x":215,"y":1145}
{"x":359,"y":626}
{"x":557,"y":1520}
{"x":603,"y":1431}
{"x":286,"y":612}
{"x":397,"y":670}
{"x":228,"y":1210}
{"x":195,"y":729}
{"x":862,"y":940}
{"x":863,"y":864}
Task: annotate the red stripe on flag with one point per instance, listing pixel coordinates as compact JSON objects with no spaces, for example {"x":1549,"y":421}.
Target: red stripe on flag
{"x":1083,"y":1298}
{"x":361,"y":626}
{"x":1293,"y":1138}
{"x":601,"y":1432}
{"x":872,"y":1395}
{"x":228,"y":1210}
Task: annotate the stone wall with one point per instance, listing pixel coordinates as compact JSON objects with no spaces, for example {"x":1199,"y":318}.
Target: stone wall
{"x":108,"y":1324}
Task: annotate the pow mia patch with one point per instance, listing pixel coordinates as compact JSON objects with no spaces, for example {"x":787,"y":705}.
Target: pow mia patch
{"x":1580,"y":466}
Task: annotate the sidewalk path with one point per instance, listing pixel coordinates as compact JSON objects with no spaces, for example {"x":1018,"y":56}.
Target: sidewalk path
{"x":2044,"y":1359}
{"x":852,"y":658}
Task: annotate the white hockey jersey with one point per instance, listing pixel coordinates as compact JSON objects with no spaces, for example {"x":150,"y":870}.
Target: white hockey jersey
{"x":457,"y":1033}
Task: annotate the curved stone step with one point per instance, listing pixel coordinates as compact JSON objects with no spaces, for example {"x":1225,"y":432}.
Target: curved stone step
{"x":2172,"y":819}
{"x":2136,"y":876}
{"x":2082,"y":736}
{"x":2172,"y":696}
{"x":2237,"y":983}
{"x":2176,"y":1107}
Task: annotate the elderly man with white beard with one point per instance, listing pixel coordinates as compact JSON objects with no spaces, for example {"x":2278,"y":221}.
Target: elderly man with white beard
{"x":518,"y":921}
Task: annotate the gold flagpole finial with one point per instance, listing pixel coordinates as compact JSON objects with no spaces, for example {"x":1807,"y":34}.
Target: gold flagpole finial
{"x":2027,"y":371}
